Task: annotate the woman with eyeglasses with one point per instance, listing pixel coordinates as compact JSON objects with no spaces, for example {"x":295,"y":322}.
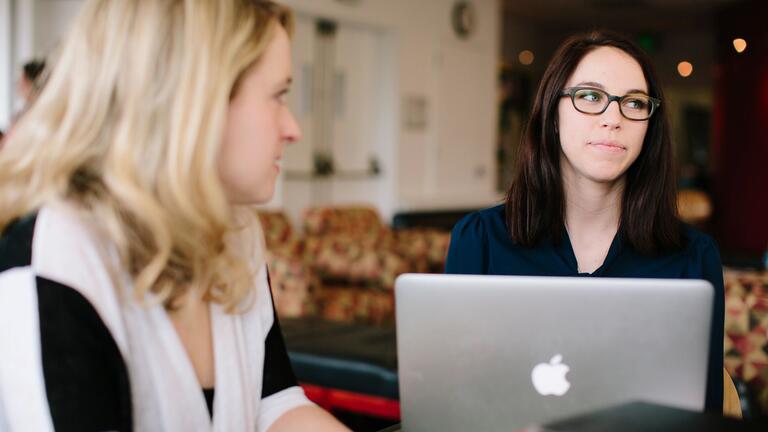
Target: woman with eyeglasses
{"x":134,"y":293}
{"x":594,"y":187}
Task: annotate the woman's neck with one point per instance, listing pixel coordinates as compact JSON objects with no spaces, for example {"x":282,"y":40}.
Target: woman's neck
{"x":592,"y":206}
{"x":191,"y":319}
{"x":592,"y":213}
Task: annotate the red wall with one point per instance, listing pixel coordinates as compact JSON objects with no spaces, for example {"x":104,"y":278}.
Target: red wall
{"x":740,"y":144}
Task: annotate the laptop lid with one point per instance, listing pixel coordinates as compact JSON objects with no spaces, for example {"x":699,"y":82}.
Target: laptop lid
{"x":502,"y":352}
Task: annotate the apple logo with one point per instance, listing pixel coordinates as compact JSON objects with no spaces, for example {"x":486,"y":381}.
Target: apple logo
{"x":549,"y":378}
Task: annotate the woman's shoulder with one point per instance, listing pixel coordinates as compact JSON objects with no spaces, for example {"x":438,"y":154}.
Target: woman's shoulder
{"x":482,"y":222}
{"x":702,"y":256}
{"x":473,"y":239}
{"x":697,"y":242}
{"x":67,"y":232}
{"x":61,"y":243}
{"x":55,"y":282}
{"x":25,"y":238}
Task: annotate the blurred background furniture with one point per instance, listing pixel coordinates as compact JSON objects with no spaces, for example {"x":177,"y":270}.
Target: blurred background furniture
{"x":357,"y":261}
{"x":746,"y":336}
{"x":344,"y":264}
{"x":746,"y":316}
{"x":694,"y":206}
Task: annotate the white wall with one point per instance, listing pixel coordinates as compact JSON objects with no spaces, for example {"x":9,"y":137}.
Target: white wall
{"x":28,"y":29}
{"x":52,"y":20}
{"x":449,"y":163}
{"x":344,"y":99}
{"x":23,"y":40}
{"x":6,"y":70}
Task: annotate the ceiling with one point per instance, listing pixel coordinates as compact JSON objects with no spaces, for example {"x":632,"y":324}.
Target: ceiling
{"x":623,"y":15}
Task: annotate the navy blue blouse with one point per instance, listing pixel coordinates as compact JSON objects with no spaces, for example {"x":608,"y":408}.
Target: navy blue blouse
{"x":480,"y":244}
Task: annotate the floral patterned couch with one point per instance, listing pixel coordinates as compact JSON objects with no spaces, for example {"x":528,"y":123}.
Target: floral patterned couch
{"x":344,"y":265}
{"x":746,"y":332}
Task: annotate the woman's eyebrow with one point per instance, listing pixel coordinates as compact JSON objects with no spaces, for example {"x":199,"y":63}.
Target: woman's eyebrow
{"x":602,"y":87}
{"x":590,"y":84}
{"x":636,"y":91}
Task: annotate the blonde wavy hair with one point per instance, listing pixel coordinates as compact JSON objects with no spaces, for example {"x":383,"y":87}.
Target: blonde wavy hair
{"x":129,"y":126}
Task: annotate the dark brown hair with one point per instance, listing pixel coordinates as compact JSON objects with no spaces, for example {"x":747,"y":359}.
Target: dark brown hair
{"x":535,"y":204}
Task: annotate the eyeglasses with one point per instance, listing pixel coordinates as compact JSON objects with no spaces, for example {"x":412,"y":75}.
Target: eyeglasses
{"x":633,"y":106}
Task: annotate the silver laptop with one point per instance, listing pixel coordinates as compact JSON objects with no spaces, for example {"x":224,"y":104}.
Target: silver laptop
{"x":497,"y":353}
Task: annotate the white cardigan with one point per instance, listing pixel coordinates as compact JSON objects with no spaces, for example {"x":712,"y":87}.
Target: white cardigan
{"x":68,"y":254}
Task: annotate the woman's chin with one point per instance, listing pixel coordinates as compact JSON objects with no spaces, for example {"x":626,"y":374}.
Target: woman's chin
{"x":605,"y":177}
{"x":251,"y":198}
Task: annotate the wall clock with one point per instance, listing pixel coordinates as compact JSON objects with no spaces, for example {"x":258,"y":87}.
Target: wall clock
{"x":463,"y":19}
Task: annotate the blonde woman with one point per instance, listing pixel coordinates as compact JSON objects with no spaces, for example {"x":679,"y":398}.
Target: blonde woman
{"x":133,"y":288}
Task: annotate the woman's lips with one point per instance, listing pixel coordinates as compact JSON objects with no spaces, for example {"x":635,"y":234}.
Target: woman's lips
{"x":608,"y":146}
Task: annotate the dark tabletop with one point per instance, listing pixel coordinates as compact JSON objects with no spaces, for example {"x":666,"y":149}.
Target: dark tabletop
{"x":643,"y":417}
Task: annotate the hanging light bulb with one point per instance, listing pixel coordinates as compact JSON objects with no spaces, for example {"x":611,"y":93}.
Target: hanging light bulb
{"x":685,"y":69}
{"x":526,"y":57}
{"x":739,"y":45}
